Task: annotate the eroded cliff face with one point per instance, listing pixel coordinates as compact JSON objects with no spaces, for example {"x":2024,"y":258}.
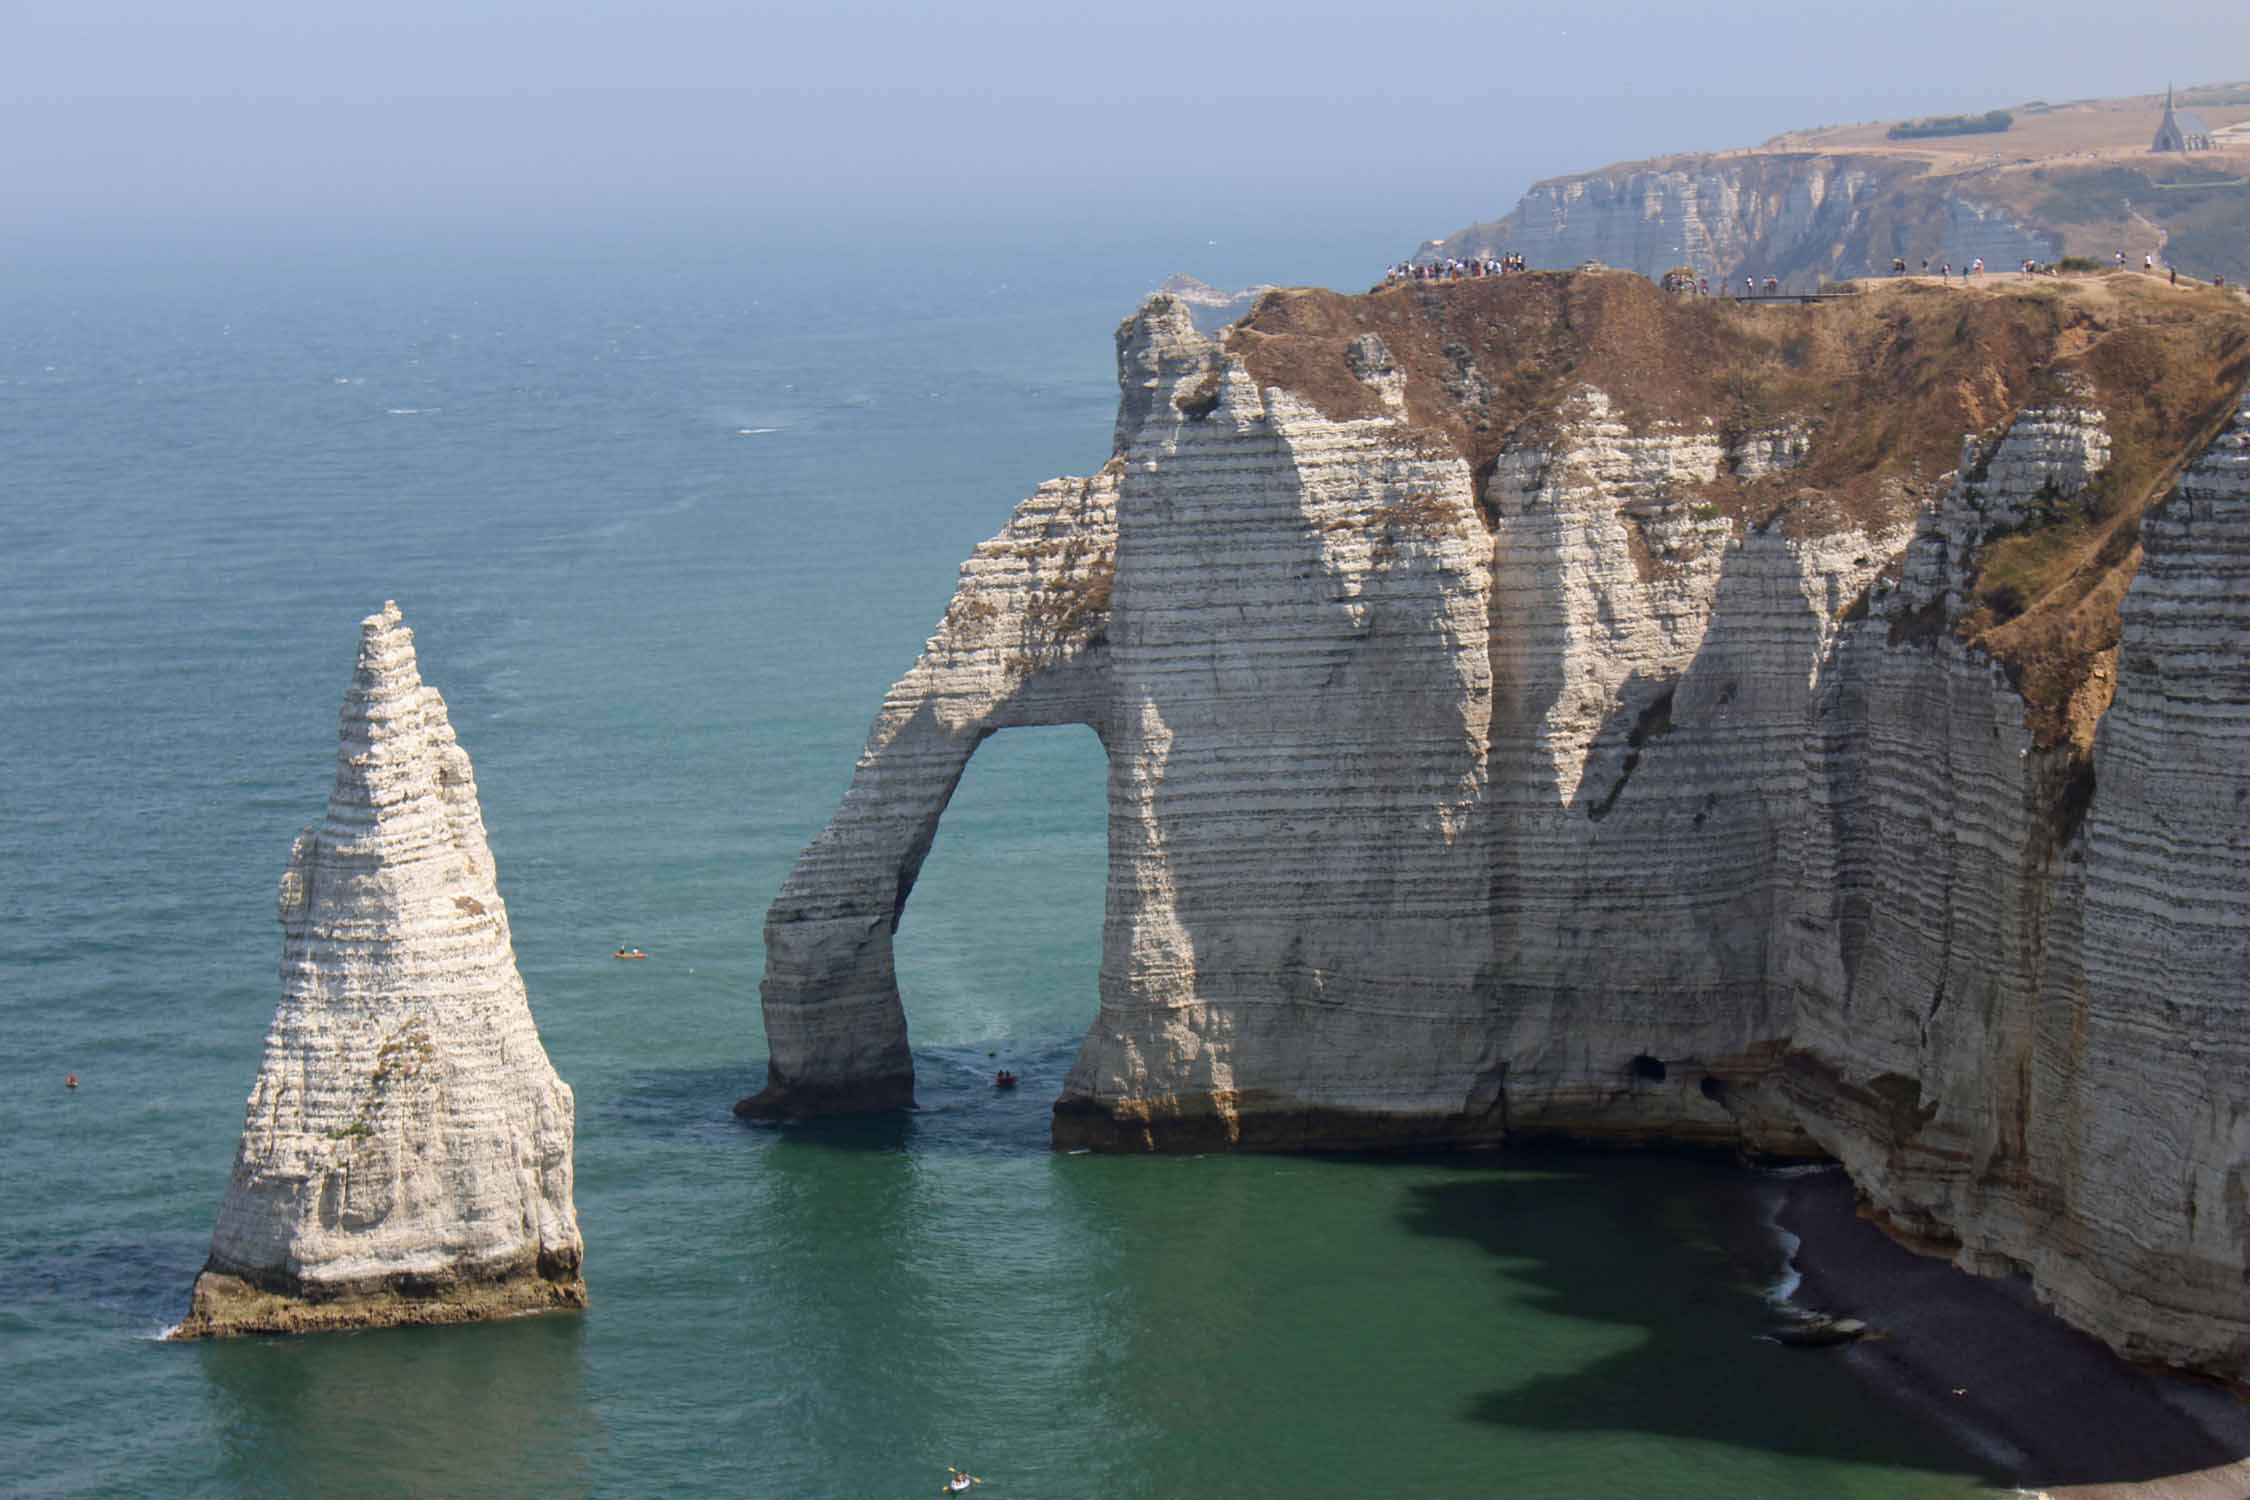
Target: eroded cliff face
{"x":2152,"y":1042}
{"x":1539,"y":705}
{"x":1298,"y":688}
{"x":1653,"y":672}
{"x":406,"y":1149}
{"x":2019,"y":980}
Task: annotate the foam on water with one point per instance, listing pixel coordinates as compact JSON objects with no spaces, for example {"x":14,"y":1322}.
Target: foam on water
{"x":1772,"y":1196}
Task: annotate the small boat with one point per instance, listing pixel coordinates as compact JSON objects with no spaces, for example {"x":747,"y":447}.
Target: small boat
{"x":70,"y":1080}
{"x":1822,"y":1333}
{"x":1004,"y":1079}
{"x":628,"y":953}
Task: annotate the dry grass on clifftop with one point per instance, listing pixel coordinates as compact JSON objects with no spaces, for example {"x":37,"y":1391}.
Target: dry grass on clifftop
{"x":1886,"y":383}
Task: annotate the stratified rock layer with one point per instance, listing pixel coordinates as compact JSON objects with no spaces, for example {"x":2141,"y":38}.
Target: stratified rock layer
{"x":1297,"y":696}
{"x":1540,"y":705}
{"x":406,"y":1151}
{"x":2153,"y":1041}
{"x":2019,"y":979}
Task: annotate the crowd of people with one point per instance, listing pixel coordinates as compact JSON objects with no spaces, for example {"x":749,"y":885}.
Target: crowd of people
{"x":1973,"y":268}
{"x":1455,"y":268}
{"x":1687,"y":283}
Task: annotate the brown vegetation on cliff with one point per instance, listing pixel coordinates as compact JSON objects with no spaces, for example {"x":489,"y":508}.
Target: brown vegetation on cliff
{"x":2049,"y":596}
{"x":1885,"y":383}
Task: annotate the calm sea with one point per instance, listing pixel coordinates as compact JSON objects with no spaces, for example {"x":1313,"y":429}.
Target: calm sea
{"x":666,"y":523}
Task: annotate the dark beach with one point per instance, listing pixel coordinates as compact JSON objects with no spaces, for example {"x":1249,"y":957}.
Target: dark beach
{"x":2048,"y":1408}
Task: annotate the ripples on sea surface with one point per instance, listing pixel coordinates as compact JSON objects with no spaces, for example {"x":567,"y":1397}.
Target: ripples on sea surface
{"x":666,"y":527}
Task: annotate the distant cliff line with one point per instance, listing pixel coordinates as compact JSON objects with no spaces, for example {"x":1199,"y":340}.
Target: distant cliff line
{"x":1844,"y":202}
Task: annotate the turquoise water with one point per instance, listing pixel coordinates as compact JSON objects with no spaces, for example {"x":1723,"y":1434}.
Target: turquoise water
{"x":666,"y":524}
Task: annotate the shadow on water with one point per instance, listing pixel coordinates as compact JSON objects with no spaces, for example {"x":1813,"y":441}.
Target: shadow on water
{"x":1677,"y":1250}
{"x":491,"y":1409}
{"x":956,"y":1106}
{"x":144,"y":1281}
{"x":668,"y":1101}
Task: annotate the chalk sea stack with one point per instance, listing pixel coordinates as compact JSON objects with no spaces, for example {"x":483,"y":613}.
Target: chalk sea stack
{"x":406,"y":1151}
{"x":1547,"y":706}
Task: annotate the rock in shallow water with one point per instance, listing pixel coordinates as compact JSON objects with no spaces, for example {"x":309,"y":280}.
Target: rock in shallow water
{"x":1822,"y":1333}
{"x":406,"y":1151}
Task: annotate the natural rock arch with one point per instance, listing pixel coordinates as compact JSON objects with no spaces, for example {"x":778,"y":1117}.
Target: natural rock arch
{"x":1022,"y":643}
{"x":1261,"y":923}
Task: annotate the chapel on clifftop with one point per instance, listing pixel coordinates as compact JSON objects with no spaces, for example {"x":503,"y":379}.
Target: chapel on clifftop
{"x":2182,"y":130}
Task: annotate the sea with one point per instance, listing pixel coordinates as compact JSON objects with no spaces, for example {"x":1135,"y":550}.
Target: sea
{"x":667,"y":515}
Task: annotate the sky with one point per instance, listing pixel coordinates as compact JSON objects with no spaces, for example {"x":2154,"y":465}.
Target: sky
{"x":140,"y":122}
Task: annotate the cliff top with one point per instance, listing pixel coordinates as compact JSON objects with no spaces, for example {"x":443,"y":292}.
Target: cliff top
{"x":2040,"y":134}
{"x":2083,"y":129}
{"x":1884,"y":385}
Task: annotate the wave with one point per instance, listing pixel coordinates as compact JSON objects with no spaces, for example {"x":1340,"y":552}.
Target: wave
{"x":754,"y":431}
{"x":1782,"y":1290}
{"x":410,"y":411}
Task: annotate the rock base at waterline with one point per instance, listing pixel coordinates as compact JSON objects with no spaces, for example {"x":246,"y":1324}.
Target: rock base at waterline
{"x":781,"y":1101}
{"x":1245,"y":1122}
{"x":225,"y":1305}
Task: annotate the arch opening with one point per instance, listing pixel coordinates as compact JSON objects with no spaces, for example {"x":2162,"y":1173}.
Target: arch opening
{"x":998,"y":953}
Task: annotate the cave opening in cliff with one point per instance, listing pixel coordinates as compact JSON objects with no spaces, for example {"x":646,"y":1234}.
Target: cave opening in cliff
{"x":999,"y":948}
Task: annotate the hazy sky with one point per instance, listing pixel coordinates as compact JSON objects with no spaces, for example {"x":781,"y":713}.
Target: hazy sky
{"x":147,"y":119}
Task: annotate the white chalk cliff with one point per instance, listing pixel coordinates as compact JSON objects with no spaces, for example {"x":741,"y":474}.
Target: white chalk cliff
{"x":1542,"y":706}
{"x":406,"y":1150}
{"x":2018,"y":978}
